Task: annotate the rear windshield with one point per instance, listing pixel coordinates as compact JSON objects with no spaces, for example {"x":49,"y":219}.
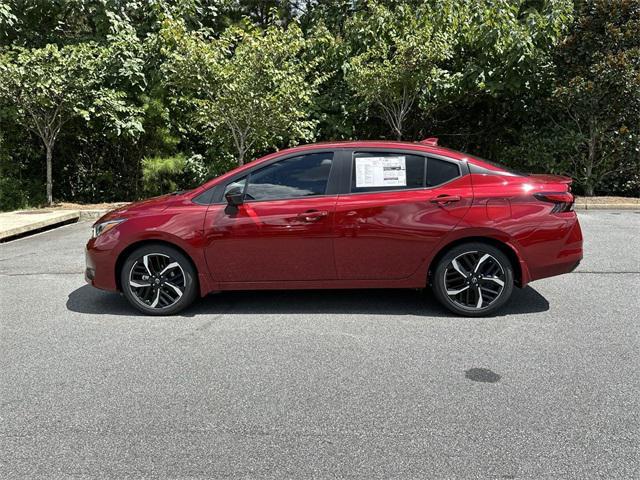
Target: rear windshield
{"x":499,"y":165}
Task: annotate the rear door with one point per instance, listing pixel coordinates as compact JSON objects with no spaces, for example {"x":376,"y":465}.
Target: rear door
{"x":399,"y":206}
{"x":284,"y":229}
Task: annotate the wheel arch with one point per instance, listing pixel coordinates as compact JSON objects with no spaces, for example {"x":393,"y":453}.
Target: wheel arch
{"x":122,"y":256}
{"x":520,"y":271}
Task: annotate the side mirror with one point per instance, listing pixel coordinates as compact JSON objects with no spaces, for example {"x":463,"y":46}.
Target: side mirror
{"x":235,"y":196}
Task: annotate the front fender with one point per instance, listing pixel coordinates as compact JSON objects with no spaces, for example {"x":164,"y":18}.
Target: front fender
{"x":178,"y":228}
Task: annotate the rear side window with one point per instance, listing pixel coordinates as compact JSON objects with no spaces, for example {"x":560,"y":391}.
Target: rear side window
{"x":441,"y":171}
{"x":302,"y":176}
{"x":381,"y":171}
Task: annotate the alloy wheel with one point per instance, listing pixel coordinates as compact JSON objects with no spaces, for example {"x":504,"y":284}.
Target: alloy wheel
{"x":157,"y":280}
{"x":474,"y":280}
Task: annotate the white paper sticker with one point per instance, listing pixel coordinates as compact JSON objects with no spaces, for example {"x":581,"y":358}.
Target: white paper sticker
{"x":381,"y":171}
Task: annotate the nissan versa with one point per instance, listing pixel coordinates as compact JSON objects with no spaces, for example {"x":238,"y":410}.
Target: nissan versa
{"x":343,"y":215}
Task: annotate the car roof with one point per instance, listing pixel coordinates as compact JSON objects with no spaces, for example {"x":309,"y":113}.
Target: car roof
{"x":390,"y":144}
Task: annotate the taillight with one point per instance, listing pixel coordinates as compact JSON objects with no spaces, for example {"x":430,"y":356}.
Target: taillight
{"x":563,"y":201}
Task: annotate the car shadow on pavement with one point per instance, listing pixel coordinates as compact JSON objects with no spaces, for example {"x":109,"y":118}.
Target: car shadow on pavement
{"x":89,"y":300}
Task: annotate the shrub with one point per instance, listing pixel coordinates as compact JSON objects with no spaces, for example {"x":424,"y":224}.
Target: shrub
{"x":13,"y":194}
{"x":162,"y":175}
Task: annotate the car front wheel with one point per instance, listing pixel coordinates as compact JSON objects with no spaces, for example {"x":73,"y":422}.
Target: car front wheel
{"x":158,"y":280}
{"x":473,"y":279}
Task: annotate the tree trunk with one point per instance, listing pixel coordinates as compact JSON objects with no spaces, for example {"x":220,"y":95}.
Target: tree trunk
{"x":49,"y":148}
{"x":591,"y":161}
{"x":588,"y":189}
{"x":399,"y":122}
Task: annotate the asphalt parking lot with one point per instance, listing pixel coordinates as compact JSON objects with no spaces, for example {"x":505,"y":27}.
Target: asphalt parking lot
{"x":321,"y":384}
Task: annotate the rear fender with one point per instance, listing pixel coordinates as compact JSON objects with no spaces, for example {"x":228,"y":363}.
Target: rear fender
{"x":493,"y":237}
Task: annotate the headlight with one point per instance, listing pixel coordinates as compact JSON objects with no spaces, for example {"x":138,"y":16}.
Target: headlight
{"x":100,"y":228}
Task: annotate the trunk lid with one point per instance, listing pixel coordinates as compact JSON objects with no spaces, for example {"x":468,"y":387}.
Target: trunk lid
{"x":545,"y":178}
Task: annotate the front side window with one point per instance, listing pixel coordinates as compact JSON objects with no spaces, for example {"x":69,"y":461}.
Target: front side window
{"x":302,"y":176}
{"x":381,"y":171}
{"x":441,"y":171}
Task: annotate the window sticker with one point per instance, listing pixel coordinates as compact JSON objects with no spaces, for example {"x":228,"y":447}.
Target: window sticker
{"x":381,"y":171}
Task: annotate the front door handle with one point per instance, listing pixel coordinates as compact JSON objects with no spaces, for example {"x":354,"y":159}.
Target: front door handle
{"x":444,"y":199}
{"x":313,"y":215}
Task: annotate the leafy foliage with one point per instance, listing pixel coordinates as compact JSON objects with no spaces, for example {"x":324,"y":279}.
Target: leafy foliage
{"x":115,"y":95}
{"x":162,"y":175}
{"x":589,"y":125}
{"x":248,"y":86}
{"x":598,"y":91}
{"x":400,"y":57}
{"x":50,"y":86}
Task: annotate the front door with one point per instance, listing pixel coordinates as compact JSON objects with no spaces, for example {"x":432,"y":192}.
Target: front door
{"x":284,"y":229}
{"x":393,"y":217}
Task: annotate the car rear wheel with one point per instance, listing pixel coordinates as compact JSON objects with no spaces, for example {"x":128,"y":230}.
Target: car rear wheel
{"x":158,"y":280}
{"x":473,"y":279}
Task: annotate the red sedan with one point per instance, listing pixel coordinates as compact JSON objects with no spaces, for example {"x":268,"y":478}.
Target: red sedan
{"x":343,"y":215}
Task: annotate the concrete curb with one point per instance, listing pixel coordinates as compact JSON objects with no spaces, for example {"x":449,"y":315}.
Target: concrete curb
{"x":606,"y":206}
{"x":91,"y":214}
{"x":14,"y":224}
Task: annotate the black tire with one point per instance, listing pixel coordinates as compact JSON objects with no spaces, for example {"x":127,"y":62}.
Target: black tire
{"x":493,"y":273}
{"x":165,"y":294}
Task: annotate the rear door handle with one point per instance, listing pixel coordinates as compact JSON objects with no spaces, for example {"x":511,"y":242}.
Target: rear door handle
{"x":444,"y":199}
{"x":313,"y":215}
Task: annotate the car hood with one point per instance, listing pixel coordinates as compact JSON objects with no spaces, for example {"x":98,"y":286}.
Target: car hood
{"x":150,"y":205}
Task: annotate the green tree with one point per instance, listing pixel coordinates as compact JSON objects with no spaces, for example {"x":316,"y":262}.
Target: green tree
{"x":249,"y":86}
{"x":587,"y":126}
{"x":229,"y":79}
{"x":597,"y":94}
{"x":400,"y":55}
{"x":506,"y":46}
{"x":504,"y":52}
{"x":334,"y":107}
{"x":50,"y":86}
